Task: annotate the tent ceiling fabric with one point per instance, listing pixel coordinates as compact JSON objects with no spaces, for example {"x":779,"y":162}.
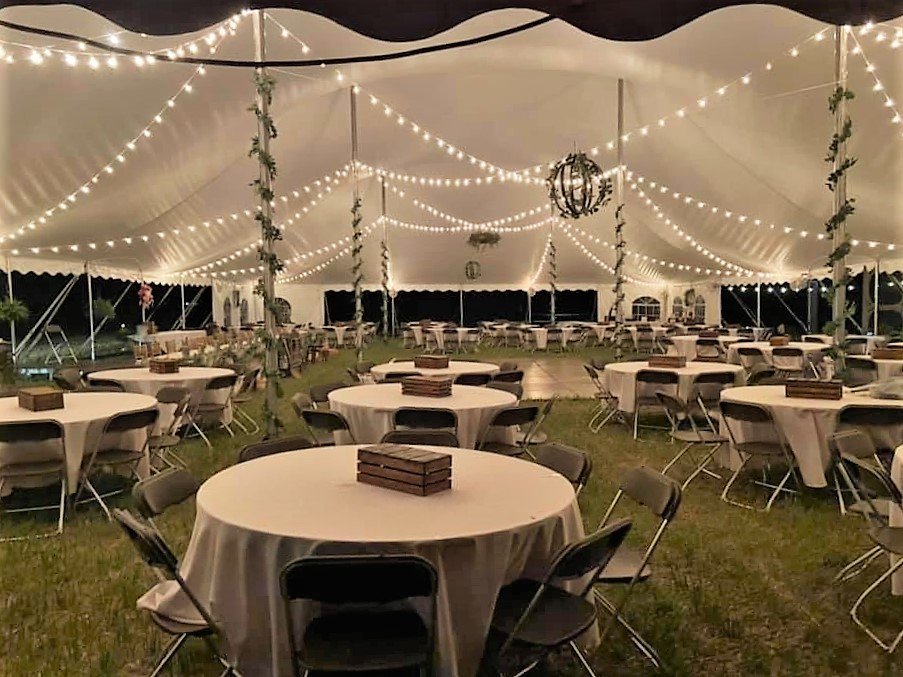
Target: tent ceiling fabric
{"x":525,"y":100}
{"x":418,"y":19}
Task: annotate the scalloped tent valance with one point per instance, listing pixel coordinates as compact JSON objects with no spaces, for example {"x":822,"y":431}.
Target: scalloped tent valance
{"x":418,"y":19}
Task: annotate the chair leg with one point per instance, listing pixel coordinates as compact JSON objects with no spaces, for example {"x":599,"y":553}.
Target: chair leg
{"x":701,"y":468}
{"x":248,"y":418}
{"x":730,"y":483}
{"x":778,"y":489}
{"x":636,"y":638}
{"x":636,"y":422}
{"x":171,"y":649}
{"x":860,"y":564}
{"x":679,"y":455}
{"x":582,"y":659}
{"x":97,"y":497}
{"x":854,"y":612}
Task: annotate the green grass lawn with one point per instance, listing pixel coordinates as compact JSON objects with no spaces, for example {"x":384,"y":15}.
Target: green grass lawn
{"x":734,"y":592}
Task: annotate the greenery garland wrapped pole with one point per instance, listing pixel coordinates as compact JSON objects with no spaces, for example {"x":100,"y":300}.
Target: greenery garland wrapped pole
{"x":384,"y":258}
{"x":263,"y":187}
{"x":357,"y":237}
{"x":620,"y":242}
{"x":553,"y":270}
{"x":835,"y":226}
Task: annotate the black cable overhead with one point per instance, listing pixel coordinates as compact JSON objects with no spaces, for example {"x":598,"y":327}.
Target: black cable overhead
{"x":284,"y":63}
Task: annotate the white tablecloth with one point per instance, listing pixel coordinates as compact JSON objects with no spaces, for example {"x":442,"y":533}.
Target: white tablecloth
{"x":620,"y":378}
{"x":502,"y":519}
{"x":872,"y":342}
{"x":369,"y":409}
{"x":83,"y":418}
{"x":657,"y":333}
{"x":339,"y":333}
{"x":454,"y":368}
{"x":438,"y":334}
{"x":142,"y":381}
{"x":686,"y":345}
{"x":179,"y":336}
{"x":811,"y":350}
{"x":805,"y":423}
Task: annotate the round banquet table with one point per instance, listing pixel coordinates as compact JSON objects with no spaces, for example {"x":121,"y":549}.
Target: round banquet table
{"x":620,"y":378}
{"x":887,"y":368}
{"x":369,"y":409}
{"x":502,"y":519}
{"x":686,"y":345}
{"x":83,"y":417}
{"x":143,"y":381}
{"x":454,"y":368}
{"x":805,"y":423}
{"x":811,"y":350}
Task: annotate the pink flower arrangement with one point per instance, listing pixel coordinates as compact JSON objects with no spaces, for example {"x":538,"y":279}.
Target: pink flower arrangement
{"x":145,"y":296}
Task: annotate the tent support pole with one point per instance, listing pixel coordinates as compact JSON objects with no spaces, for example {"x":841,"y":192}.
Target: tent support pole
{"x":47,"y":317}
{"x":461,"y":306}
{"x":620,"y":244}
{"x":159,"y":303}
{"x":385,"y":258}
{"x":877,"y":291}
{"x":12,"y":325}
{"x":103,"y":320}
{"x":90,"y":310}
{"x":356,"y":235}
{"x":759,"y":305}
{"x":529,"y":308}
{"x":838,"y":273}
{"x":790,"y":310}
{"x":191,"y":306}
{"x":182,"y":314}
{"x":271,"y":365}
{"x":743,"y":306}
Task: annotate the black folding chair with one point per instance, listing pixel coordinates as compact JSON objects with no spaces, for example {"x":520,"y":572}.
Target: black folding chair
{"x":319,"y":394}
{"x":883,"y":425}
{"x":141,"y":423}
{"x":104,"y":385}
{"x":515,"y":389}
{"x":860,"y":371}
{"x":686,"y":430}
{"x":277,"y":446}
{"x":661,"y":496}
{"x":472,"y":379}
{"x":426,"y":417}
{"x":421,"y":436}
{"x":369,"y":626}
{"x":157,"y":555}
{"x":325,"y":421}
{"x":19,"y":460}
{"x":154,"y":495}
{"x":244,"y":396}
{"x":398,"y":376}
{"x":161,"y":445}
{"x":608,"y":403}
{"x":505,"y":418}
{"x":541,"y":614}
{"x":657,"y":381}
{"x":572,"y":463}
{"x":214,"y":408}
{"x":513,"y":376}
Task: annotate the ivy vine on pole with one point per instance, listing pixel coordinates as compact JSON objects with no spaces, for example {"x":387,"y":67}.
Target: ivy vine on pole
{"x":620,"y":255}
{"x":270,"y":234}
{"x":553,"y":274}
{"x":384,"y":266}
{"x":357,"y":275}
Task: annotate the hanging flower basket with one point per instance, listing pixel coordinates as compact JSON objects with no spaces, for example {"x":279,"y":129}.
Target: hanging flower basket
{"x":145,"y":296}
{"x":482,"y":239}
{"x":578,"y":186}
{"x":472,"y":270}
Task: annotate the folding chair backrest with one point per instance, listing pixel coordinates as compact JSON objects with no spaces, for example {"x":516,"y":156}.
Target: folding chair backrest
{"x":172,"y":395}
{"x":786,"y":351}
{"x":320,"y":393}
{"x":813,"y":339}
{"x":270,"y":447}
{"x":30,"y":431}
{"x":300,"y":402}
{"x":747,"y":413}
{"x":589,"y":555}
{"x":508,"y":366}
{"x":759,"y":373}
{"x":861,"y":370}
{"x":722,"y":378}
{"x":572,"y":463}
{"x":747,"y":351}
{"x":654,"y":490}
{"x":427,"y":417}
{"x":515,"y":389}
{"x":872,"y":483}
{"x":657,"y":377}
{"x":330,"y":421}
{"x":221,"y":382}
{"x":155,"y":494}
{"x":514,"y":376}
{"x":858,"y":415}
{"x":472,"y":379}
{"x":358,"y":579}
{"x":422,"y":436}
{"x":150,"y":545}
{"x":249,"y":379}
{"x":107,"y":384}
{"x":135,"y":420}
{"x":68,"y":378}
{"x":515,"y":416}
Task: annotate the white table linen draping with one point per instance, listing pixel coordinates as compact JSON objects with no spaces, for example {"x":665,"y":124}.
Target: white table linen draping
{"x":369,"y":410}
{"x":620,"y":378}
{"x":143,"y":381}
{"x":83,"y":418}
{"x":502,"y":519}
{"x":686,"y":345}
{"x":811,"y":350}
{"x":439,"y":334}
{"x":454,"y":368}
{"x":540,"y":337}
{"x":339,"y":332}
{"x":805,"y":424}
{"x":176,"y":335}
{"x":872,"y":342}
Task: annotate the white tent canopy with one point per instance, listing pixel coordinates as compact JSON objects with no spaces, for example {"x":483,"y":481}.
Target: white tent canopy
{"x":741,"y":173}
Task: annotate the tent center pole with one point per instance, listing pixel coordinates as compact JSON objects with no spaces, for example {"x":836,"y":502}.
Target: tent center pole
{"x":90,"y":309}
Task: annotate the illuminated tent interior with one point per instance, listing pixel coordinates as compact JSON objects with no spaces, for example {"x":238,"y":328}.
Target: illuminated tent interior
{"x":142,"y":171}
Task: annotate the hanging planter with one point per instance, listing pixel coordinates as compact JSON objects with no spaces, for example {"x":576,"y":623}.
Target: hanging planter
{"x":472,"y":270}
{"x":578,"y":186}
{"x":482,"y":239}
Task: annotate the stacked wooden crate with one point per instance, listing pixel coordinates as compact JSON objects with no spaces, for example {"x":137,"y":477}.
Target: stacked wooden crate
{"x":813,"y":389}
{"x":427,"y":386}
{"x":402,"y":468}
{"x":668,"y":361}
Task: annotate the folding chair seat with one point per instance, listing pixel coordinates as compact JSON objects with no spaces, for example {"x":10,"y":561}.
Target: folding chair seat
{"x":30,"y":450}
{"x":735,"y":414}
{"x":661,"y":496}
{"x":534,"y":434}
{"x":154,"y":551}
{"x":242,"y":397}
{"x":370,"y":625}
{"x":325,"y":421}
{"x":507,"y":418}
{"x":573,"y":464}
{"x":110,"y":454}
{"x":541,"y":615}
{"x":656,"y":381}
{"x":276,"y":446}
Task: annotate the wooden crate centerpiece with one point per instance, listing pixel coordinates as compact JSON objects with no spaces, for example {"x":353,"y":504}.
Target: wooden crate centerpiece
{"x":887,"y":353}
{"x":708,"y":334}
{"x":431,"y":362}
{"x":779,"y":341}
{"x":41,"y":398}
{"x":813,"y":389}
{"x":402,"y":468}
{"x":427,"y":386}
{"x":668,"y":361}
{"x":164,"y":365}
